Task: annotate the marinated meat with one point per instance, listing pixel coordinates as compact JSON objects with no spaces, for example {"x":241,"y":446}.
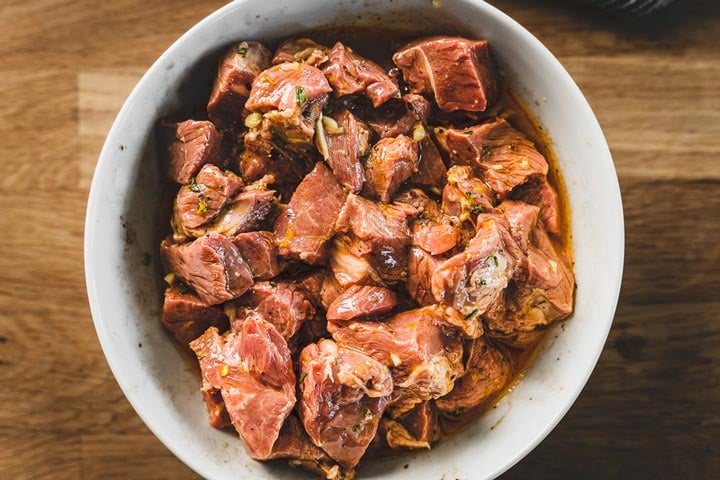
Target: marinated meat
{"x":362,"y":302}
{"x":211,"y":265}
{"x":260,"y":252}
{"x":187,"y":317}
{"x":287,"y":86}
{"x":377,"y":244}
{"x":423,"y":360}
{"x":346,"y":139}
{"x":349,"y":264}
{"x":390,"y":163}
{"x":500,"y":155}
{"x":397,"y":436}
{"x":382,"y":235}
{"x":421,"y":267}
{"x":218,"y":416}
{"x":253,"y":371}
{"x":350,"y":73}
{"x":521,"y":218}
{"x":246,"y":212}
{"x":294,"y":444}
{"x":284,"y":304}
{"x":286,"y":100}
{"x":465,"y":196}
{"x":200,"y":202}
{"x":544,"y":196}
{"x":477,"y":277}
{"x":432,"y":230}
{"x":344,"y":394}
{"x":301,"y":50}
{"x":310,"y":219}
{"x":543,"y":297}
{"x":431,"y":168}
{"x":239,"y":67}
{"x":398,"y":116}
{"x":486,"y":373}
{"x":196,"y":143}
{"x":457,"y":71}
{"x":422,"y":422}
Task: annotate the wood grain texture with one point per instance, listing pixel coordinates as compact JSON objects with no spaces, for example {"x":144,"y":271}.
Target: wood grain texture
{"x":651,"y":409}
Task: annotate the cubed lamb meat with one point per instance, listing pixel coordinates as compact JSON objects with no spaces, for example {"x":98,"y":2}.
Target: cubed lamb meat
{"x":301,"y":50}
{"x":382,"y":233}
{"x":286,"y":100}
{"x":349,"y":264}
{"x":350,"y":73}
{"x":432,"y":230}
{"x":397,"y":436}
{"x":344,"y":394}
{"x":260,"y":252}
{"x":287,"y":86}
{"x":465,"y":196}
{"x":238,"y":68}
{"x":422,"y":422}
{"x":486,"y":373}
{"x":521,"y":218}
{"x":544,"y":295}
{"x":187,"y":317}
{"x":310,"y":219}
{"x":285,"y":304}
{"x":421,"y":267}
{"x":196,"y":143}
{"x":246,"y":212}
{"x":457,"y":71}
{"x":346,"y":143}
{"x":211,"y":265}
{"x":294,"y":444}
{"x":502,"y":156}
{"x":398,"y":116}
{"x":390,"y":163}
{"x":362,"y":302}
{"x":218,"y":416}
{"x":312,"y":282}
{"x":273,"y":162}
{"x":253,"y":370}
{"x":544,"y":196}
{"x":423,"y":360}
{"x":477,"y":277}
{"x":431,"y":168}
{"x":331,"y":289}
{"x":200,"y":202}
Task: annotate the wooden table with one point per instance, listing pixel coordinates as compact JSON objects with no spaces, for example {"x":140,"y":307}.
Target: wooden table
{"x":652,"y":407}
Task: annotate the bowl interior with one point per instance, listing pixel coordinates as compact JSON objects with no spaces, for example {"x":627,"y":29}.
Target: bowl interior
{"x":122,"y":260}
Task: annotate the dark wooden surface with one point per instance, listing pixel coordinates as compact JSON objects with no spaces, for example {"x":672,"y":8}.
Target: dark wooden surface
{"x":650,"y":411}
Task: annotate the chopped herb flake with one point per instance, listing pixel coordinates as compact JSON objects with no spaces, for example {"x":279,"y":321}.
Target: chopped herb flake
{"x":242,"y":51}
{"x":302,"y":377}
{"x":300,"y":95}
{"x":492,"y":258}
{"x":476,"y":209}
{"x":468,"y":133}
{"x":486,"y":149}
{"x":194,"y":187}
{"x":471,"y":314}
{"x":202,"y":205}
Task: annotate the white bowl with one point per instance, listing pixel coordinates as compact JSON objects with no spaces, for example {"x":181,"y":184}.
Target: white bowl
{"x":121,"y":244}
